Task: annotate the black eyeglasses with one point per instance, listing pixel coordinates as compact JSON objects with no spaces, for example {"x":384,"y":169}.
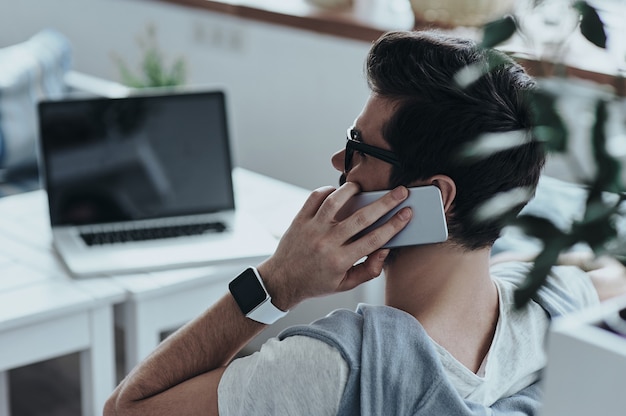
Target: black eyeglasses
{"x":354,"y":143}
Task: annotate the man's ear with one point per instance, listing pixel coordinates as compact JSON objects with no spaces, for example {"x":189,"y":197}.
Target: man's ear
{"x":447,"y":187}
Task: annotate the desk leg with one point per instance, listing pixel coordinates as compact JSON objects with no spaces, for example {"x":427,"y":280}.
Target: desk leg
{"x":5,"y":405}
{"x":97,"y":365}
{"x":141,"y":337}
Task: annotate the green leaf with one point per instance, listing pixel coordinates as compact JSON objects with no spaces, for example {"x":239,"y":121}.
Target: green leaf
{"x":471,"y":73}
{"x":488,"y":144}
{"x":608,"y":176}
{"x":540,"y":270}
{"x":498,"y":31}
{"x":127,"y":77}
{"x":597,"y":227}
{"x":153,"y":68}
{"x":503,"y":205}
{"x":554,"y":138}
{"x":591,"y":25}
{"x":549,"y":126}
{"x":538,"y":227}
{"x":177,"y":73}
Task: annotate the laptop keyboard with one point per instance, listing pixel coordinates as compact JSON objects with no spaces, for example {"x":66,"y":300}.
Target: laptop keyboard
{"x":144,"y":234}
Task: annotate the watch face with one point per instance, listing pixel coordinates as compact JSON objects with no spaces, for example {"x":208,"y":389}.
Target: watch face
{"x":247,"y":291}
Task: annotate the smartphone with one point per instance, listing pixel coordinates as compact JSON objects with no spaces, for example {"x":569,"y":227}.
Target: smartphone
{"x":428,"y":224}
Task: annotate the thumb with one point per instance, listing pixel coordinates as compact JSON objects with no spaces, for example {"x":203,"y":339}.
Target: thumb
{"x":363,"y":272}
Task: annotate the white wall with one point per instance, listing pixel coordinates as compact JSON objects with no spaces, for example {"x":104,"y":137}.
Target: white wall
{"x":292,"y":93}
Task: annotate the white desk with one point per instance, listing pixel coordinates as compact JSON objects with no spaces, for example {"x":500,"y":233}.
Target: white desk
{"x":147,"y":303}
{"x":43,"y":315}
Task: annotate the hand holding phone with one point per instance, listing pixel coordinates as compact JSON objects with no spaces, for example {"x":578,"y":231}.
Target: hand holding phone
{"x":428,"y":224}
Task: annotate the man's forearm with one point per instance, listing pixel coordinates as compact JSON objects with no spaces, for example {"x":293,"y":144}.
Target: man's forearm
{"x":203,"y":345}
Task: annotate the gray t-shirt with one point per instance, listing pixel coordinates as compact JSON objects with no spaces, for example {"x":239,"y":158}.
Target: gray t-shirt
{"x":302,"y":375}
{"x":297,"y":376}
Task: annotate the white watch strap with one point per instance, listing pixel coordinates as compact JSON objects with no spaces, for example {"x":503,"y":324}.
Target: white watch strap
{"x":266,"y":312}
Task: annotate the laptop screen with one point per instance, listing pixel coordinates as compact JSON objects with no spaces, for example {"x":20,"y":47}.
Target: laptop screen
{"x":136,"y":157}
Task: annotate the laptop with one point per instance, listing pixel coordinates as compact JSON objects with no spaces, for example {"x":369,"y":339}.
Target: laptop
{"x":143,"y":182}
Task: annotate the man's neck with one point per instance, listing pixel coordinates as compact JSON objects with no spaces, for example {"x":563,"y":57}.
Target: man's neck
{"x":450,"y":291}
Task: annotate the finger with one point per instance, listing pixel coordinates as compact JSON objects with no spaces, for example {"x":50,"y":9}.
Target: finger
{"x":314,"y":201}
{"x":377,"y":238}
{"x":363,"y":272}
{"x":331,"y":205}
{"x":371,"y":213}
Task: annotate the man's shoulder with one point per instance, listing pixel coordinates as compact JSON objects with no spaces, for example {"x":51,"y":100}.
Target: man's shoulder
{"x":351,"y":324}
{"x":339,"y":322}
{"x":356,"y":332}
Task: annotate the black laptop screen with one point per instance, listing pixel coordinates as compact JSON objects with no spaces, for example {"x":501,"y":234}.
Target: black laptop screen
{"x":137,"y":157}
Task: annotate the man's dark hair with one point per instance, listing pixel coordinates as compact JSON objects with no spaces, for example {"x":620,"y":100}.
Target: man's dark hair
{"x":435,"y":119}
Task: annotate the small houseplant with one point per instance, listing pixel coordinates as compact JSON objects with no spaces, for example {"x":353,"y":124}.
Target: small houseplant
{"x":153,"y":70}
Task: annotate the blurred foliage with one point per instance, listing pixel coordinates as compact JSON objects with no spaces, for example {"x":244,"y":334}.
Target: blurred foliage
{"x":605,"y":190}
{"x":153,"y":71}
{"x":591,"y":26}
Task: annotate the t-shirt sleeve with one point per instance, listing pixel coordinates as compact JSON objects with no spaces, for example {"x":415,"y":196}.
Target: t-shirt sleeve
{"x":296,"y":376}
{"x":576,"y":282}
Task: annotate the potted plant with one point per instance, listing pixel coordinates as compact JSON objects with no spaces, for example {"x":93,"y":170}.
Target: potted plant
{"x":605,"y":191}
{"x":153,"y":71}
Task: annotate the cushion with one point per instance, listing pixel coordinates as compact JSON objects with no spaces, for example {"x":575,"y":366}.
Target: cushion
{"x":31,"y":71}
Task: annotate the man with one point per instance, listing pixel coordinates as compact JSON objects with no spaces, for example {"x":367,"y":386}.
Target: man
{"x":448,"y":340}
